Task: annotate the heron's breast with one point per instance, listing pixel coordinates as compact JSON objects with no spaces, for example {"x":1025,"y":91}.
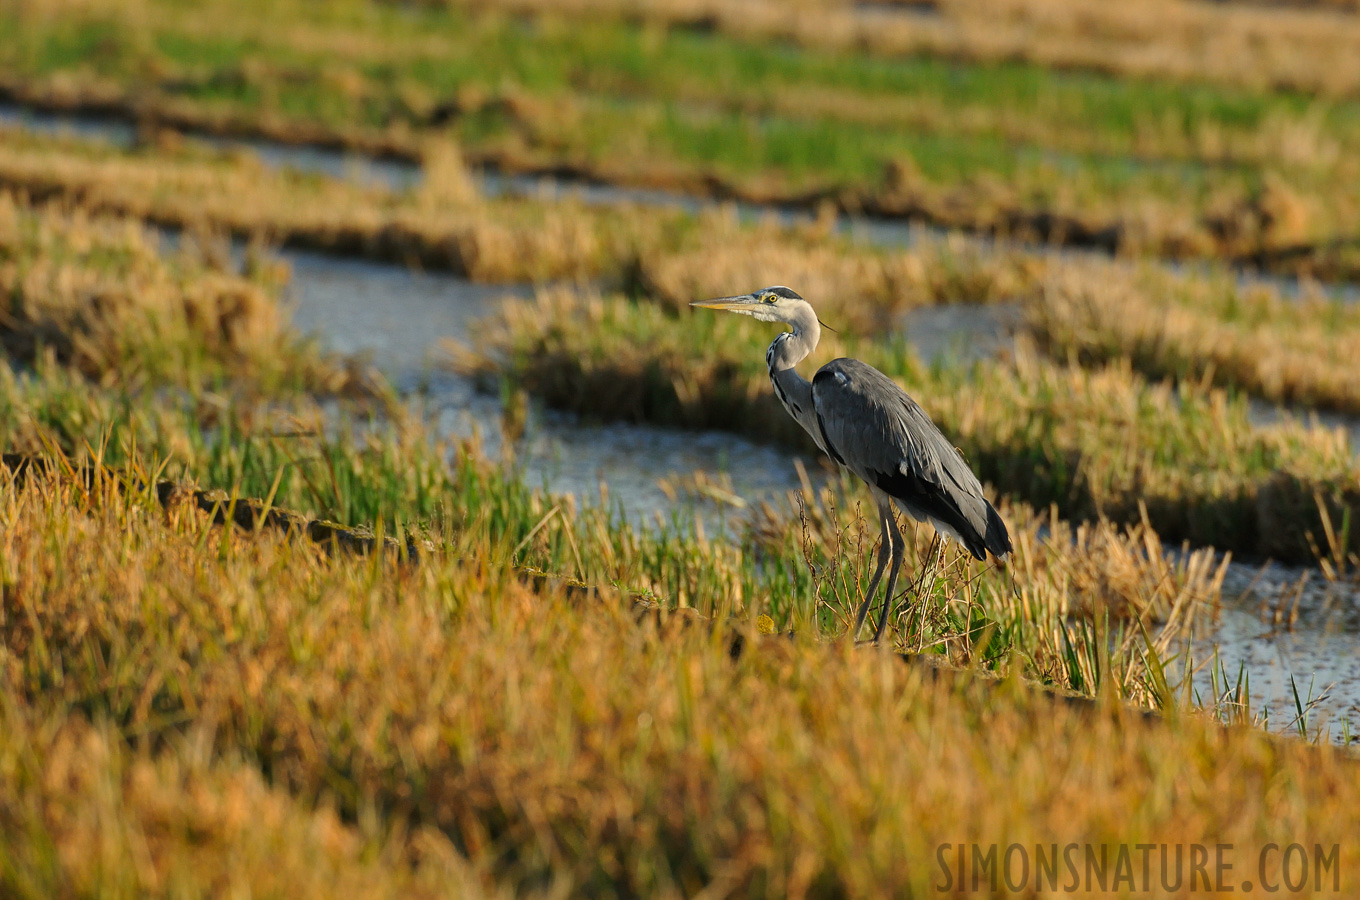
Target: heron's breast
{"x":788,"y":403}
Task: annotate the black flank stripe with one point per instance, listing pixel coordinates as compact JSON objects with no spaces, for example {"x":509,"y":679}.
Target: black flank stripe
{"x":826,"y":441}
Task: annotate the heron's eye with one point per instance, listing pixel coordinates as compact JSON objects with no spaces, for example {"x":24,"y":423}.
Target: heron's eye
{"x":769,"y":298}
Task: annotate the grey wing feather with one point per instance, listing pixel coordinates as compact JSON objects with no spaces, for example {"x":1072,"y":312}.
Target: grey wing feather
{"x":871,"y":426}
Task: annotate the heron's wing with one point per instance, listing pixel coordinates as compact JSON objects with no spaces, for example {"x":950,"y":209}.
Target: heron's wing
{"x":872,"y":427}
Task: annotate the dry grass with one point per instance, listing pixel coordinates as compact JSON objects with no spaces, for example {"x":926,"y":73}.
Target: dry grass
{"x":556,"y":745}
{"x":85,"y":814}
{"x":101,"y":296}
{"x":862,"y":289}
{"x":1197,"y":327}
{"x":1282,"y":226}
{"x":1349,"y":6}
{"x":402,"y":480}
{"x":1061,"y":572}
{"x":1299,"y":351}
{"x":190,"y":709}
{"x":441,"y":227}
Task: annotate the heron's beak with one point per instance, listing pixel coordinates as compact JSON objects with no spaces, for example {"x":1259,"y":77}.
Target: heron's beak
{"x":732,"y":304}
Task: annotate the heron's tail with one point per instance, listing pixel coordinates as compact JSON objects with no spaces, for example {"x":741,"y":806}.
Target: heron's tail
{"x":997,"y":539}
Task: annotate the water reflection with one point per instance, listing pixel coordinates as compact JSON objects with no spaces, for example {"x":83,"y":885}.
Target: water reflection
{"x":394,"y":314}
{"x":890,"y":10}
{"x":1293,"y":637}
{"x":113,"y":131}
{"x":1264,"y":414}
{"x":961,"y":333}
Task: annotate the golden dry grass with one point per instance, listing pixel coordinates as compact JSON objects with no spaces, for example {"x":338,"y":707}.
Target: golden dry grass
{"x":1297,"y":229}
{"x":102,"y":296}
{"x":1294,"y":351}
{"x":857,"y":288}
{"x":441,"y":227}
{"x":447,"y":224}
{"x":404,"y":480}
{"x":1060,"y":571}
{"x":85,"y":814}
{"x":187,"y":709}
{"x":556,"y":745}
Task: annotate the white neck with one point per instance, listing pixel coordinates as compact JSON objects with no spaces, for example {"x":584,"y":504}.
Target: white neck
{"x":788,"y":349}
{"x":791,"y":348}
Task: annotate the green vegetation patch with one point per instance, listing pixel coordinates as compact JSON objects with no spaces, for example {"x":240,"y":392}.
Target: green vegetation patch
{"x":1162,"y":166}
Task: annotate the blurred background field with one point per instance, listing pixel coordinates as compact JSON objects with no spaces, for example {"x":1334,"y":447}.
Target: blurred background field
{"x":355,"y":275}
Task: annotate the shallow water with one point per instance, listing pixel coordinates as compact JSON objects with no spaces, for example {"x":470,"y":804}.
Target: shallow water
{"x":961,"y":333}
{"x":391,"y":174}
{"x":1285,"y":640}
{"x":113,"y":131}
{"x":1265,"y":414}
{"x":393,"y":314}
{"x":397,"y":316}
{"x":888,"y":11}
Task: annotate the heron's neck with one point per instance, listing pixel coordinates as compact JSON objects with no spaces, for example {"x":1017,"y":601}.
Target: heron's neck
{"x":793,"y":390}
{"x":792,"y":347}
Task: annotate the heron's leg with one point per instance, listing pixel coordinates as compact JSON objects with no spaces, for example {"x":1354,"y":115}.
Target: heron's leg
{"x":899,"y":552}
{"x":884,"y":517}
{"x":936,"y":555}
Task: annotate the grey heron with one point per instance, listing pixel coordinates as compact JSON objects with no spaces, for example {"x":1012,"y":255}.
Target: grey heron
{"x":862,"y":420}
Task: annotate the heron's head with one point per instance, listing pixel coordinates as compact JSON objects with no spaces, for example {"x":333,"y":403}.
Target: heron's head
{"x":771,"y":304}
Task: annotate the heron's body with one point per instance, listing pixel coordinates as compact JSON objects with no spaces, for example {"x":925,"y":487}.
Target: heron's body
{"x":861,"y":419}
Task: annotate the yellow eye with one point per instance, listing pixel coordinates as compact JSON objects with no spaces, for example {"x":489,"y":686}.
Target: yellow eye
{"x":769,"y":298}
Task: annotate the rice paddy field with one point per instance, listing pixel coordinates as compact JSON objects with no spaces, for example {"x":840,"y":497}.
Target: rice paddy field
{"x":377,"y":519}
